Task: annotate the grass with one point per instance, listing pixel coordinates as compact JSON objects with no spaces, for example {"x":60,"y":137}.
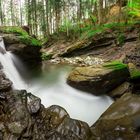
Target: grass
{"x":116,"y":65}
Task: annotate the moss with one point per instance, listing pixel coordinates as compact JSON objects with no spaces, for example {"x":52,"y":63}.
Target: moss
{"x":15,"y":30}
{"x":46,"y":56}
{"x":28,"y":40}
{"x":134,"y":74}
{"x":21,"y":34}
{"x":116,"y":65}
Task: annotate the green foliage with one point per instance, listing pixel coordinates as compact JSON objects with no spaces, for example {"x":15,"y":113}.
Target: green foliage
{"x":134,"y":8}
{"x":28,"y":40}
{"x":15,"y":30}
{"x":116,"y":65}
{"x":91,"y":31}
{"x":120,"y":39}
{"x":46,"y":56}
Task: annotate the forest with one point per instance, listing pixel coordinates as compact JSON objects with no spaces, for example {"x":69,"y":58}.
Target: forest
{"x":45,"y":17}
{"x":69,"y":69}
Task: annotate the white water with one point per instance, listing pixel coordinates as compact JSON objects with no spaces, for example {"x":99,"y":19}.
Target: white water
{"x":52,"y":89}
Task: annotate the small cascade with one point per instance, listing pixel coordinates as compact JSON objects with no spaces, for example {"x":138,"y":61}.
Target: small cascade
{"x":53,"y":90}
{"x":9,"y":68}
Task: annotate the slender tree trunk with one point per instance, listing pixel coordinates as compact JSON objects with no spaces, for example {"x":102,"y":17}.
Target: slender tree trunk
{"x":1,"y":13}
{"x":100,"y":10}
{"x":20,"y":14}
{"x":47,"y":17}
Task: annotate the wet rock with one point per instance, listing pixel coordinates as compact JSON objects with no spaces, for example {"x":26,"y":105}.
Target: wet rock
{"x":73,"y":129}
{"x":55,"y":116}
{"x":5,"y":84}
{"x":30,"y":55}
{"x":33,"y":103}
{"x":23,"y":117}
{"x":120,"y":90}
{"x":120,"y":121}
{"x":99,"y":80}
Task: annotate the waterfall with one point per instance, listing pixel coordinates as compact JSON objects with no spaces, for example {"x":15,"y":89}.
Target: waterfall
{"x":53,"y":90}
{"x":9,"y":68}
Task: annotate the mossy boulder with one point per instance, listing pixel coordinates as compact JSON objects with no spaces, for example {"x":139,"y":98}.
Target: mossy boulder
{"x":98,"y":80}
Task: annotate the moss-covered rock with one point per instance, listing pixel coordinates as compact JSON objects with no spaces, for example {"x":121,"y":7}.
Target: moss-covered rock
{"x":99,"y":80}
{"x":21,"y":35}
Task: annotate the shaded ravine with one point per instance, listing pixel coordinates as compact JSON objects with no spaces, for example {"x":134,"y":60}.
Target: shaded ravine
{"x":51,"y":87}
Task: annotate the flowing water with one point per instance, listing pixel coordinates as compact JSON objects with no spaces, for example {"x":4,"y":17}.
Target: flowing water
{"x":51,"y":87}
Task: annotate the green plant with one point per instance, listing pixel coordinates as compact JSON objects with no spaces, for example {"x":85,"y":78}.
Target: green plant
{"x":116,"y":65}
{"x":134,"y":7}
{"x":46,"y":56}
{"x":120,"y":39}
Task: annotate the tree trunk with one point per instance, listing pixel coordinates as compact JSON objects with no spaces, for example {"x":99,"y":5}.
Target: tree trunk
{"x":100,"y":12}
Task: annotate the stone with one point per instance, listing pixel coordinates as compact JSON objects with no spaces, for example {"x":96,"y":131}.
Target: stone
{"x":10,"y":39}
{"x":120,"y":90}
{"x":33,"y":103}
{"x":23,"y":117}
{"x":99,"y":80}
{"x":5,"y":84}
{"x":121,"y":121}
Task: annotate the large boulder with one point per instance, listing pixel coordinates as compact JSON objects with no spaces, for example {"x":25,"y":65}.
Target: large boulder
{"x":98,"y":80}
{"x":121,"y":121}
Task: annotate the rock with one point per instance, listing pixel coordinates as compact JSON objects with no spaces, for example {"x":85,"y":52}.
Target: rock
{"x":23,"y":117}
{"x":99,"y":80}
{"x":30,"y":55}
{"x":2,"y":50}
{"x":73,"y":129}
{"x":134,"y":56}
{"x":134,"y":77}
{"x":121,"y":121}
{"x":10,"y":39}
{"x":120,"y":90}
{"x":33,"y":103}
{"x":78,"y":61}
{"x":55,"y":116}
{"x":5,"y":84}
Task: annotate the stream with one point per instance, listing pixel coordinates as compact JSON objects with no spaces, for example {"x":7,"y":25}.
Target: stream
{"x":52,"y":88}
